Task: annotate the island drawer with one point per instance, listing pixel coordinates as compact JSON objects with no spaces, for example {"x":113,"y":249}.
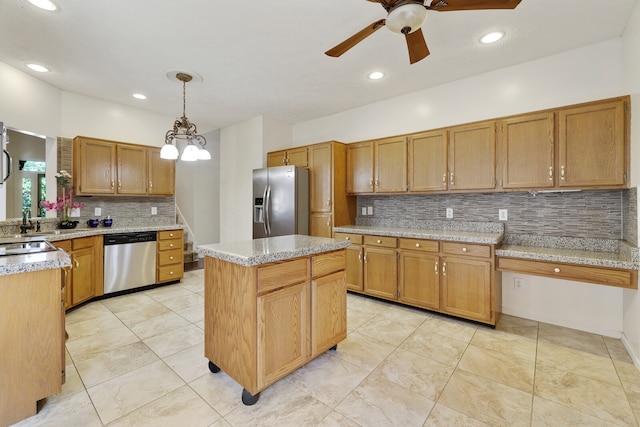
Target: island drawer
{"x":281,"y":274}
{"x":356,"y":239}
{"x":580,"y":273}
{"x":420,"y":245}
{"x":383,"y":241}
{"x":467,"y":249}
{"x":324,"y":264}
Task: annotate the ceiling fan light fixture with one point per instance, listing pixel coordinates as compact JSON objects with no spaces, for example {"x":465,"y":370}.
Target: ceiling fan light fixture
{"x":410,"y":15}
{"x":491,"y":37}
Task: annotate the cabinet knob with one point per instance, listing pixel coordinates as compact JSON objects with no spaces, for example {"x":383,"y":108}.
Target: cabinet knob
{"x":328,"y":202}
{"x":417,"y":245}
{"x":379,"y":241}
{"x":562,"y":173}
{"x":556,"y":270}
{"x":550,"y":173}
{"x":171,"y":258}
{"x":451,"y":178}
{"x":464,"y":249}
{"x":436,"y":268}
{"x":347,"y":238}
{"x":170,"y":245}
{"x":170,"y":234}
{"x":171,"y":273}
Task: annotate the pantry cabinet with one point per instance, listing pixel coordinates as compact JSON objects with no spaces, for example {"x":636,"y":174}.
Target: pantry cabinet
{"x":592,"y":145}
{"x":102,"y":167}
{"x":293,"y":156}
{"x":85,"y":278}
{"x":527,"y":151}
{"x":328,"y":201}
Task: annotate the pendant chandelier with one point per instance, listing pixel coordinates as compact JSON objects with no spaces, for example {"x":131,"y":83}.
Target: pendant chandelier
{"x":183,"y":129}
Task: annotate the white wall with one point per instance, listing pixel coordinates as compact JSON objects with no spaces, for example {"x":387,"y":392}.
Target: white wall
{"x":631,"y":61}
{"x":276,"y":135}
{"x":585,"y":74}
{"x":241,"y":151}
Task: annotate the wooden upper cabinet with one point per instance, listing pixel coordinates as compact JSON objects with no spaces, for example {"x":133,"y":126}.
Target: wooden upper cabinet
{"x":360,"y":167}
{"x":390,"y":160}
{"x":472,"y":156}
{"x":94,"y":166}
{"x":293,"y":156}
{"x":427,"y":159}
{"x":527,"y":149}
{"x":132,"y":169}
{"x":162,"y":174}
{"x":592,"y":145}
{"x":321,"y":177}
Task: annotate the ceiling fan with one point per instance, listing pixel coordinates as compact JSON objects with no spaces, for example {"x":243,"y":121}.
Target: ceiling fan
{"x":407,"y":16}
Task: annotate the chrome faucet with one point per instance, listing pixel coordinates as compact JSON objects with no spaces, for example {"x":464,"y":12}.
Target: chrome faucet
{"x":26,"y":216}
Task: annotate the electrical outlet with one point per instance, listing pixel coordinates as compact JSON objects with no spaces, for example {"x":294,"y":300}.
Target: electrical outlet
{"x":364,"y":211}
{"x":154,"y":211}
{"x":97,"y":211}
{"x":369,"y":210}
{"x":449,"y":213}
{"x":502,"y":214}
{"x":518,"y":283}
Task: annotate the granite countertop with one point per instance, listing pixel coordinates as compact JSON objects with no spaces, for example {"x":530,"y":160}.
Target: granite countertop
{"x":15,"y":264}
{"x":55,"y":235}
{"x":271,"y":249}
{"x":431,"y":234}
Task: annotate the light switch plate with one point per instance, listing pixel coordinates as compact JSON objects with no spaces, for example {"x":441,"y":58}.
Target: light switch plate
{"x":364,"y":210}
{"x":502,"y":214}
{"x":449,"y":213}
{"x":369,"y":210}
{"x":154,"y":211}
{"x":97,"y":211}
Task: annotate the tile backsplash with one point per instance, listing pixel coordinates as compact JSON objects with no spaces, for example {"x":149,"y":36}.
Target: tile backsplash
{"x":602,"y":214}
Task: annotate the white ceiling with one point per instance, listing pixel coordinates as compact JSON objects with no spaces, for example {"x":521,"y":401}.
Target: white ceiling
{"x":267,"y":57}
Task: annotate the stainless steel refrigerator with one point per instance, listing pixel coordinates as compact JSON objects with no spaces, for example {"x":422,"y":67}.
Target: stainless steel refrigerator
{"x":280,"y":201}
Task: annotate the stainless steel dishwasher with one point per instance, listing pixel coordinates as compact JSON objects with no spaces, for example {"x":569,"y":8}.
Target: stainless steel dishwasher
{"x":129,"y":261}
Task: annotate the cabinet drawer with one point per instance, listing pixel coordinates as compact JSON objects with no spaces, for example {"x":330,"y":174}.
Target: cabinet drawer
{"x":83,"y":242}
{"x":467,"y":249}
{"x":356,"y":239}
{"x":170,"y":234}
{"x":164,"y":245}
{"x":65,"y":245}
{"x":420,"y":245}
{"x":387,"y":242}
{"x":170,"y":272}
{"x":580,"y":273}
{"x":321,"y":265}
{"x":169,"y":257}
{"x":280,"y":274}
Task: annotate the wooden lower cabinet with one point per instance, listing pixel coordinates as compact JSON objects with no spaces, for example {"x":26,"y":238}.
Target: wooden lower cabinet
{"x":263,"y":322}
{"x":170,"y":261}
{"x":32,"y":341}
{"x":450,"y":277}
{"x":85,"y":279}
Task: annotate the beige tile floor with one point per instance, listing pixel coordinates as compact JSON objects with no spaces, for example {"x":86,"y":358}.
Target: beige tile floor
{"x":137,"y":360}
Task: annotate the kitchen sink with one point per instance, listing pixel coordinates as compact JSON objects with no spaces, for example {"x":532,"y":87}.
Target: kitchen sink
{"x":25,"y":247}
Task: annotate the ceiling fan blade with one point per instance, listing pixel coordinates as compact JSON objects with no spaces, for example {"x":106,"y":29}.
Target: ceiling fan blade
{"x":451,"y":5}
{"x":355,"y":39}
{"x":417,"y":45}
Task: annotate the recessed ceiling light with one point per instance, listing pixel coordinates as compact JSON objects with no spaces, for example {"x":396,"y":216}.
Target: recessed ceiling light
{"x":44,"y":4}
{"x":492,"y":37}
{"x":39,"y":68}
{"x":139,"y":96}
{"x":376,"y":75}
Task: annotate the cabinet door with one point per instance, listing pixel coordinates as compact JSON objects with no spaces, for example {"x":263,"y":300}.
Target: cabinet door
{"x":381,"y":272}
{"x":329,"y":312}
{"x":419,"y":279}
{"x":472,"y":157}
{"x":527,"y":151}
{"x":391,"y":165}
{"x":298,"y":157}
{"x":354,"y":268}
{"x":95,"y":166}
{"x":320,"y":225}
{"x":427,"y":160}
{"x":360,"y":167}
{"x":277,"y":158}
{"x":283,"y":328}
{"x":592,"y":149}
{"x":466,"y":288}
{"x":162,"y":173}
{"x":320,"y":168}
{"x":132,"y":169}
{"x":82,"y":265}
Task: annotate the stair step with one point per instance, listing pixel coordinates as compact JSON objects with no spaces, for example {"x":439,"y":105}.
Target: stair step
{"x":190,"y":256}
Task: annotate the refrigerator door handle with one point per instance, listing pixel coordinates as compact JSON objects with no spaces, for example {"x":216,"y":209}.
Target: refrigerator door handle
{"x":9,"y":160}
{"x":267,"y":203}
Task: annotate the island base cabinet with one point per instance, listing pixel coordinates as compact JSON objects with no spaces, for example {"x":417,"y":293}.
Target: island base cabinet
{"x":329,"y":312}
{"x":32,"y":342}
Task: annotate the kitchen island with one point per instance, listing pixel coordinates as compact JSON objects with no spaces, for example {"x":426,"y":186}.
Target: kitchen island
{"x":31,"y":326}
{"x":272,"y":305}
